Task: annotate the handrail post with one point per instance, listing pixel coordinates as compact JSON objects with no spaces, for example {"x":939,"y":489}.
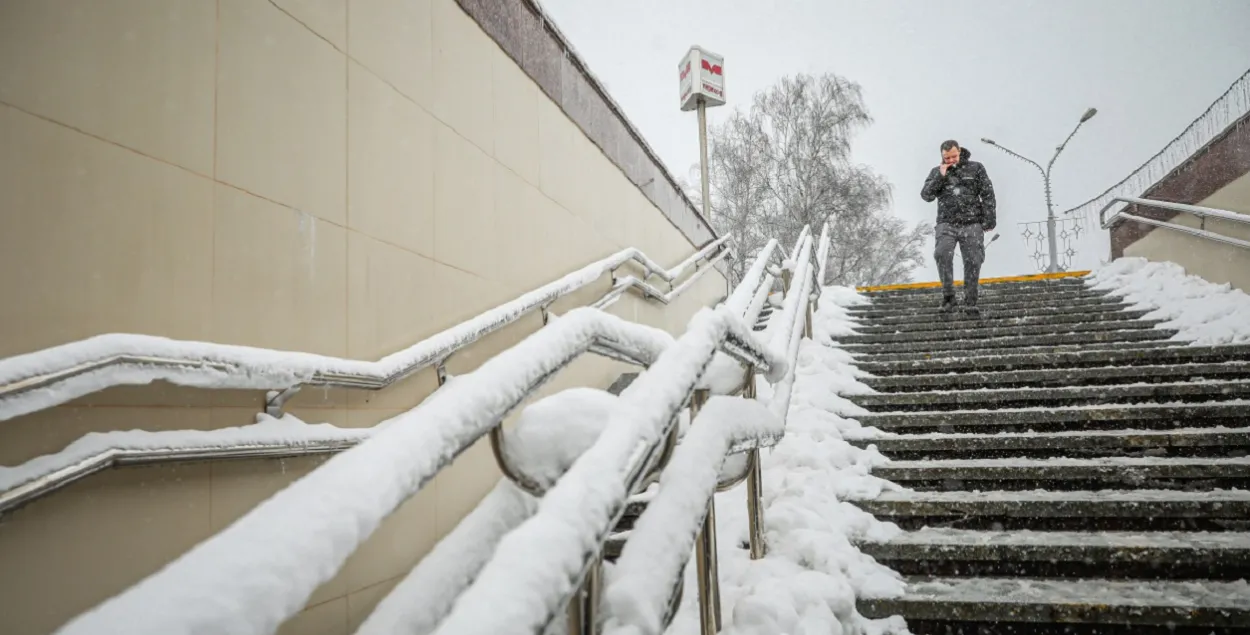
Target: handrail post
{"x":755,"y":485}
{"x":583,"y":612}
{"x":708,"y":573}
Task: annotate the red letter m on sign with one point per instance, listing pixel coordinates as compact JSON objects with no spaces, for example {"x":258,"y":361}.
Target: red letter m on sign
{"x":713,"y":69}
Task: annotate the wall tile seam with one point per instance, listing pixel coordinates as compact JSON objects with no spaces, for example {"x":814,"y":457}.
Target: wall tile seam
{"x":211,"y":179}
{"x":308,"y":28}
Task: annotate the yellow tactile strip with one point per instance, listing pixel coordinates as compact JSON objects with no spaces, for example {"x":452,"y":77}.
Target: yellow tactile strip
{"x":959,"y":283}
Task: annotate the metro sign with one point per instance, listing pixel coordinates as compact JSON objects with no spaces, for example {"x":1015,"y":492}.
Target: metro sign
{"x":709,"y":85}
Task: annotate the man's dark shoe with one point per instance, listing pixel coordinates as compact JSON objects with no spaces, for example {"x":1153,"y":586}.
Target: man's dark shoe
{"x":972,"y":311}
{"x":948,"y":305}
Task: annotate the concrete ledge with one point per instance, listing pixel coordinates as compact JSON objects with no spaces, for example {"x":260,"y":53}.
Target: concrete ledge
{"x":1122,"y":355}
{"x":1173,"y":416}
{"x":1006,"y":600}
{"x":1223,"y":390}
{"x":1108,"y":303}
{"x":1056,"y":319}
{"x":969,"y":345}
{"x":1004,"y":279}
{"x":1058,"y":377}
{"x":977,"y":330}
{"x":1147,"y":504}
{"x":1103,"y":442}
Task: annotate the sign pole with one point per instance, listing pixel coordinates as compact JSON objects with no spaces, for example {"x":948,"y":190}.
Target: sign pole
{"x":707,"y":200}
{"x":701,"y":85}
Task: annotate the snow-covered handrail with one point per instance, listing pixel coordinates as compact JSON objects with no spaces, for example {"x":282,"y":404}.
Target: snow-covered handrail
{"x":1201,"y":212}
{"x":548,"y":554}
{"x":99,"y":451}
{"x":53,"y":376}
{"x":742,"y":295}
{"x":1226,"y":112}
{"x":637,"y":599}
{"x":822,"y":255}
{"x":539,"y":564}
{"x":310,"y":528}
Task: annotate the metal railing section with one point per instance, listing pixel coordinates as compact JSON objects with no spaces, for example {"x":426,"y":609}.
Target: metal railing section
{"x":243,"y":367}
{"x":35,"y":381}
{"x":309,"y":529}
{"x":1203,"y":213}
{"x":585,"y":505}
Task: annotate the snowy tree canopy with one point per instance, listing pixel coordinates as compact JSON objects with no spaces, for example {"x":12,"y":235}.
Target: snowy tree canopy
{"x":786,"y":163}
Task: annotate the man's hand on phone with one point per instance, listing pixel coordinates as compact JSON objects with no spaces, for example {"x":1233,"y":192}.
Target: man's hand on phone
{"x":943,"y":168}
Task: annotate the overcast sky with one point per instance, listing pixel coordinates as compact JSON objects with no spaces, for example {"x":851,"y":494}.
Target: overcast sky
{"x":1019,"y":72}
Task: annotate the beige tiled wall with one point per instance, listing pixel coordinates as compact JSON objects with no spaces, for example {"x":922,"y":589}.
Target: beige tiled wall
{"x":1210,"y":260}
{"x":336,"y":176}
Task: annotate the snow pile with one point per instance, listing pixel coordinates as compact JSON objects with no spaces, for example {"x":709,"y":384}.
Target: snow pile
{"x":808,"y":582}
{"x":1203,"y":313}
{"x":268,"y":432}
{"x":552,"y":432}
{"x":660,"y":543}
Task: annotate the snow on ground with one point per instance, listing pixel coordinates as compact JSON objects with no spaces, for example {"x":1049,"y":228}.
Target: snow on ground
{"x":808,"y":582}
{"x":1204,"y":313}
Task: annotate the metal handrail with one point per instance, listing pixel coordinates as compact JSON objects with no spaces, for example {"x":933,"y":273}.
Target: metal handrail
{"x":404,"y":456}
{"x":1201,"y":212}
{"x":582,"y":609}
{"x":646,"y":444}
{"x":21,"y":492}
{"x":625,"y":453}
{"x":25,"y":380}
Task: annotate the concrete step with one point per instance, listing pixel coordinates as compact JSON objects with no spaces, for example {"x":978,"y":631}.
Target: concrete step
{"x":1038,"y":286}
{"x":996,"y":297}
{"x":1040,"y":510}
{"x":1058,"y":377}
{"x":936,"y":319}
{"x":1209,"y":390}
{"x":1066,"y":554}
{"x":1185,"y":442}
{"x":981,"y":331}
{"x":988,"y":354}
{"x":1231,"y":414}
{"x":1188,"y":474}
{"x":1022,"y":341}
{"x":1014,"y":605}
{"x":989,"y":308}
{"x":1111,"y":354}
{"x":881,"y":327}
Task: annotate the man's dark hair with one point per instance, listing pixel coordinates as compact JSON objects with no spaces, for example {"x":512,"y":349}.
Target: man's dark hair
{"x":948,"y":144}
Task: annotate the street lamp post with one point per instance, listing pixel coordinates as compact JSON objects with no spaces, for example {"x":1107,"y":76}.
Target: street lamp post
{"x":1053,"y":267}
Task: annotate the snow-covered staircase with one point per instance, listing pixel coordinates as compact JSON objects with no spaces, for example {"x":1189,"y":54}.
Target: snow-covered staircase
{"x":1070,"y":468}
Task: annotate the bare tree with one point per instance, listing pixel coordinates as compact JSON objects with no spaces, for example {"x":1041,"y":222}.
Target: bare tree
{"x":785,"y":163}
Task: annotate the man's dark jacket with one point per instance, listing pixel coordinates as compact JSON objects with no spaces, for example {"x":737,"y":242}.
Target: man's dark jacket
{"x":965,"y":195}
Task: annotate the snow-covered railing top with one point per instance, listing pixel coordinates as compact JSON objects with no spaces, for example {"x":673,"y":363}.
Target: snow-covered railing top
{"x":1225,"y":112}
{"x":552,"y":552}
{"x":43,"y":379}
{"x":1201,"y":212}
{"x":303,"y":535}
{"x":547,"y":555}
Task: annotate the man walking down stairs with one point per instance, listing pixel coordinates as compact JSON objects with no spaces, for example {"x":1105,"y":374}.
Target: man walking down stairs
{"x":1070,"y":468}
